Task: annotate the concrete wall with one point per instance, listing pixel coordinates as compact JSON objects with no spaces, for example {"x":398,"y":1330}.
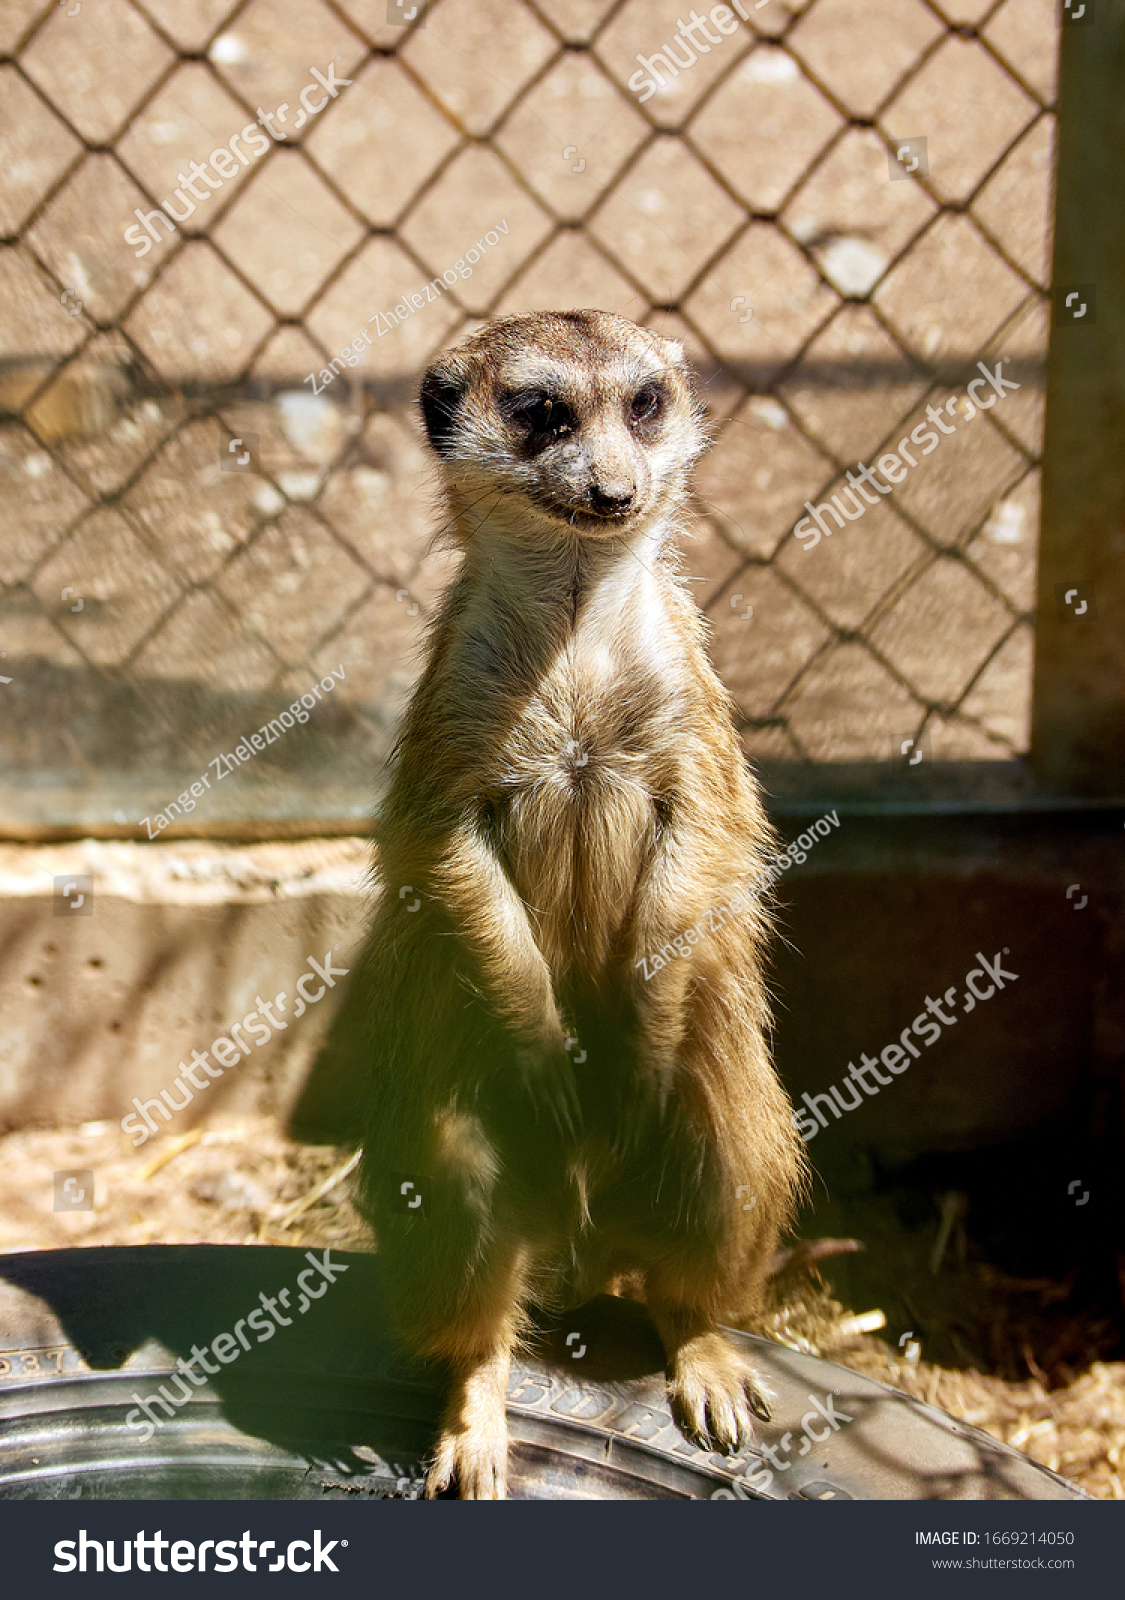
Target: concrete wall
{"x":891,"y":911}
{"x":99,"y":1003}
{"x":96,"y":1009}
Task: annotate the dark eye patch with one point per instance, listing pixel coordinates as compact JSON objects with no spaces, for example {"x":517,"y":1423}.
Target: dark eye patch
{"x":541,"y":417}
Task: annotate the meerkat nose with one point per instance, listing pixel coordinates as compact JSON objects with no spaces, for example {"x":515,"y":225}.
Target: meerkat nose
{"x":614,"y":499}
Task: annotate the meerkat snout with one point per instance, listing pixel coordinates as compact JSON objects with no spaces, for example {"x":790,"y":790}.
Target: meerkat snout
{"x":614,"y":499}
{"x":576,"y":419}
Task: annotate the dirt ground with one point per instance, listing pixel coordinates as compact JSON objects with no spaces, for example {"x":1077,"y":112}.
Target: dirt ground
{"x":244,"y":1182}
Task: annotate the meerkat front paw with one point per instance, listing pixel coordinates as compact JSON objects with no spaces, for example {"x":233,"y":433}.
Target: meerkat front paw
{"x":474,"y":1461}
{"x":713,"y":1390}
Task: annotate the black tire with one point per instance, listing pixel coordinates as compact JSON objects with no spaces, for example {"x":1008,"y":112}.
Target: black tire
{"x":328,"y":1408}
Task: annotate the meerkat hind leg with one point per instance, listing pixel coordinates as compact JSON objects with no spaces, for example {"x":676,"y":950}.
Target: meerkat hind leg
{"x":713,"y":1390}
{"x":472,"y":1446}
{"x":476,"y":1340}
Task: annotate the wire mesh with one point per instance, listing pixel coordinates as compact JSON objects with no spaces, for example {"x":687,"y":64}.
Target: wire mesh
{"x":216,"y":491}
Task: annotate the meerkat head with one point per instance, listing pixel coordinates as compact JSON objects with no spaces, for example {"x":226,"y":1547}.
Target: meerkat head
{"x":560,"y":420}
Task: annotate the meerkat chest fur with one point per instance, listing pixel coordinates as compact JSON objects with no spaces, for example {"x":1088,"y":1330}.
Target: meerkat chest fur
{"x":589,"y":693}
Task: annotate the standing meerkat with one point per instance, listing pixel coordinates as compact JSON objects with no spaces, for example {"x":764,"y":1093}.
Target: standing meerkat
{"x":568,"y":799}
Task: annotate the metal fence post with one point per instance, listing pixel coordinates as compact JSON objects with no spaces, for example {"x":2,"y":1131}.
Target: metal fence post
{"x":1078,"y":718}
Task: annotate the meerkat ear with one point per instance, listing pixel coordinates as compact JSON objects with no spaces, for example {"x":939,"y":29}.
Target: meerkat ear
{"x":443,"y":389}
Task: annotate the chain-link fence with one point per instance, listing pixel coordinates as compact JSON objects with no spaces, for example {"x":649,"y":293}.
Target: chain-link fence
{"x":235,"y":235}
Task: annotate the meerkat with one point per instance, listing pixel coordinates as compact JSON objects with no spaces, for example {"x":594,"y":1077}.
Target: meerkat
{"x":554,"y":1108}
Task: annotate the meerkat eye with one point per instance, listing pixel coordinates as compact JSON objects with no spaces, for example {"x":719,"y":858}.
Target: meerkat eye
{"x":646,"y":404}
{"x":541,"y":415}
